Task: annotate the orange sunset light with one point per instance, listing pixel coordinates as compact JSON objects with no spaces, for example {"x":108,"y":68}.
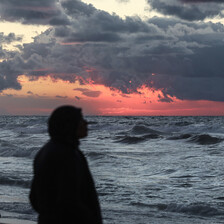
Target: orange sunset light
{"x":101,"y":100}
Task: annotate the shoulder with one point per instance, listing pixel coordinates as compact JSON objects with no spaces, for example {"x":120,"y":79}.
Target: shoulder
{"x":46,"y":150}
{"x":80,"y":155}
{"x":52,"y":153}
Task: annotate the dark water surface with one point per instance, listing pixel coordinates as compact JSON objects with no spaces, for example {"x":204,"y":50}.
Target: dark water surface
{"x":146,"y":169}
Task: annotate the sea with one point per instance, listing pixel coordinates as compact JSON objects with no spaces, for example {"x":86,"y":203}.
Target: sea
{"x":161,"y":170}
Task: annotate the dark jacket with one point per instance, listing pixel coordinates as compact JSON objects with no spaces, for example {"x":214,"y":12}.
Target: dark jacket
{"x":63,"y":190}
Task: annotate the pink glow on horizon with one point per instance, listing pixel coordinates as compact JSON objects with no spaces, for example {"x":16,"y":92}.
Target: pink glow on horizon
{"x":41,"y":96}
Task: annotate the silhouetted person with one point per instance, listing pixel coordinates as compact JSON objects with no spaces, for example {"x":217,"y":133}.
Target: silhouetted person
{"x":63,"y":190}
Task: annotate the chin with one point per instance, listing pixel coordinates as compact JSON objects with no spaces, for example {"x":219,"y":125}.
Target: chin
{"x":83,"y":135}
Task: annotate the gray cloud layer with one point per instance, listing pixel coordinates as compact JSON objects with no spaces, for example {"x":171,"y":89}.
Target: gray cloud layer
{"x":189,"y":9}
{"x":7,"y":39}
{"x":186,"y":57}
{"x":32,"y":12}
{"x":202,"y":1}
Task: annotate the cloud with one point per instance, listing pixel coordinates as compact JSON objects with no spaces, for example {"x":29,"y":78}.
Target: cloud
{"x":202,"y":1}
{"x":164,"y":98}
{"x":8,"y":95}
{"x":88,"y":92}
{"x":11,"y":37}
{"x":77,"y":98}
{"x":32,"y":12}
{"x":184,"y":57}
{"x":189,"y":9}
{"x":7,"y":39}
{"x":61,"y":97}
{"x":124,"y":95}
{"x":92,"y":25}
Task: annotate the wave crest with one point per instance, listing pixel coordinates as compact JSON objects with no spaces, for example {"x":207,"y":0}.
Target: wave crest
{"x":205,"y":139}
{"x":137,"y":139}
{"x":200,"y":209}
{"x":140,"y":129}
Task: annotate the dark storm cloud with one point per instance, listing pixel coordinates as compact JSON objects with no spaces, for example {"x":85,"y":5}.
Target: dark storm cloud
{"x":89,"y":24}
{"x":189,"y":9}
{"x":76,"y":8}
{"x":32,"y":12}
{"x":201,"y":1}
{"x":88,"y":92}
{"x":9,"y":72}
{"x":185,"y":58}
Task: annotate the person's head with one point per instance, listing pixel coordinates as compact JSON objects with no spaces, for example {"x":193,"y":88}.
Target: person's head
{"x":67,"y":123}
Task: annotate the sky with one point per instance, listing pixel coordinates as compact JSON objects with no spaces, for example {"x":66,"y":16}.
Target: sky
{"x":117,"y":57}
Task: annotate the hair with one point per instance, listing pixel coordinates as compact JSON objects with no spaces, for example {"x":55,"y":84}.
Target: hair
{"x":63,"y":122}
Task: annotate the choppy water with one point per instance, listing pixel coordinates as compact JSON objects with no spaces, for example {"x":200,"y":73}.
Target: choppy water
{"x":146,"y":169}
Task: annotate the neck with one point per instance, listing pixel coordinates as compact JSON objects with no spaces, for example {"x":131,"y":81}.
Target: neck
{"x":68,"y":141}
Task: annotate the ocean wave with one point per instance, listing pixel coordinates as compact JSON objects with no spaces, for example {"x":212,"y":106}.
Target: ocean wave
{"x":13,"y":181}
{"x":18,"y":207}
{"x":35,"y":129}
{"x":4,"y":143}
{"x":108,"y":126}
{"x":136,"y":139}
{"x":140,"y":129}
{"x":95,"y":155}
{"x":131,"y":140}
{"x":200,"y":209}
{"x":205,"y":139}
{"x":10,"y":150}
{"x":24,"y":125}
{"x":183,"y":123}
{"x":179,"y":137}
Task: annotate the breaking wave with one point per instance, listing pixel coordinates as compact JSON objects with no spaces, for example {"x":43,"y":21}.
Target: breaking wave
{"x":136,"y":139}
{"x":140,"y":129}
{"x":131,"y":140}
{"x":205,"y":139}
{"x":200,"y":209}
{"x":8,"y":150}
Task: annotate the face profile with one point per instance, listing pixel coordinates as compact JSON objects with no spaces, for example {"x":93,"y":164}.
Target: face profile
{"x":82,"y":130}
